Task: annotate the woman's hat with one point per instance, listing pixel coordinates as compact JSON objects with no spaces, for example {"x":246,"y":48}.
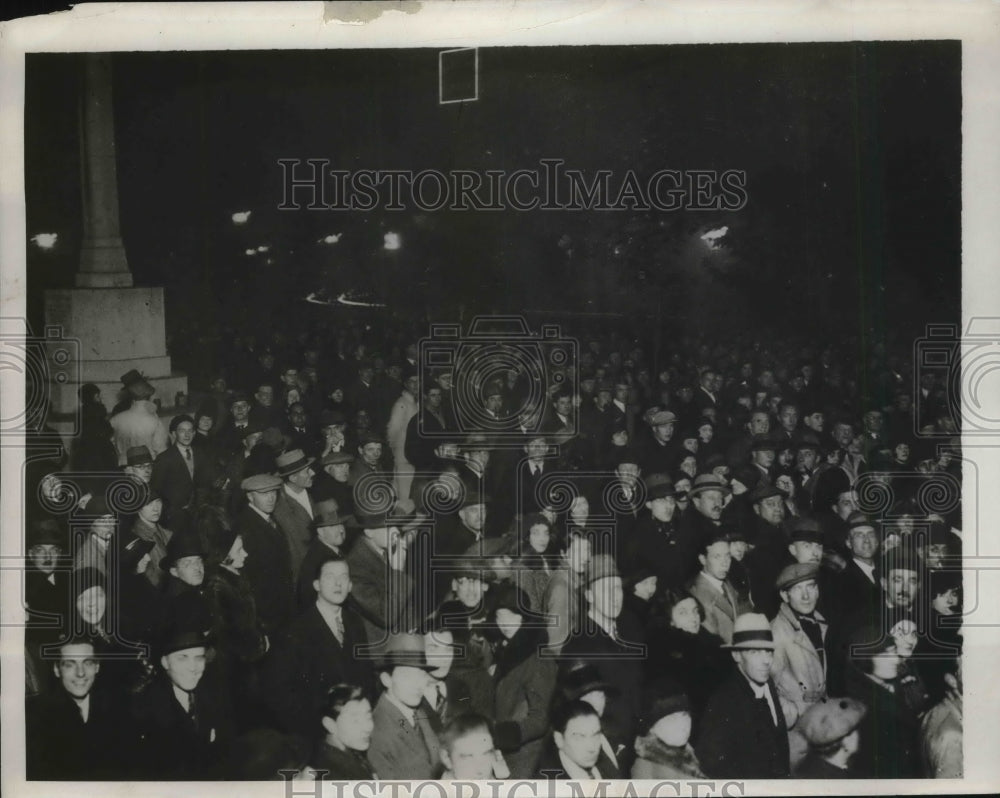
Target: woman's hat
{"x":661,"y":698}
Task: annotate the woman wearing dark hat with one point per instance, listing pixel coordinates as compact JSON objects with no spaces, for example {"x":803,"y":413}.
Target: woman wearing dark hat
{"x":94,"y":552}
{"x":663,"y":749}
{"x":680,"y":647}
{"x":146,"y":526}
{"x":890,"y":730}
{"x":523,"y":682}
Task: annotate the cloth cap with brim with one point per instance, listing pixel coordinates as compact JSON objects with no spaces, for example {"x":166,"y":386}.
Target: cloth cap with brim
{"x":662,"y":417}
{"x":751,"y":631}
{"x":659,"y":486}
{"x":238,"y":396}
{"x":332,"y":418}
{"x":600,"y":566}
{"x":867,"y":641}
{"x":470,"y":569}
{"x":660,"y":699}
{"x":370,"y":437}
{"x":764,"y":490}
{"x":580,"y":678}
{"x":473,"y":498}
{"x":337,"y":458}
{"x":763,"y":442}
{"x":808,"y":441}
{"x":292,"y":462}
{"x":735,"y":533}
{"x":706,"y":482}
{"x":795,"y":573}
{"x":275,"y":438}
{"x":327,"y":513}
{"x":605,"y":386}
{"x":806,"y":530}
{"x":404,"y":650}
{"x":260,"y":483}
{"x":151,"y":495}
{"x":138,"y":455}
{"x":831,"y":719}
{"x":858,"y":520}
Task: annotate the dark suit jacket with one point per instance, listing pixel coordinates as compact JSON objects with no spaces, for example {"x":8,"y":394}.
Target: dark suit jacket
{"x":296,"y":523}
{"x":422,"y":438}
{"x":60,"y":746}
{"x":174,"y":482}
{"x":171,"y":747}
{"x":268,"y":569}
{"x":332,"y":764}
{"x":383,"y":595}
{"x":738,"y":737}
{"x":308,"y":662}
{"x":399,"y":750}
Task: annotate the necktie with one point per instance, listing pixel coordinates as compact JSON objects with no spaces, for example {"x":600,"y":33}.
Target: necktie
{"x":338,"y":627}
{"x":189,"y":460}
{"x":767,"y":708}
{"x":438,"y":696}
{"x":192,"y":711}
{"x":423,"y":736}
{"x":272,"y":522}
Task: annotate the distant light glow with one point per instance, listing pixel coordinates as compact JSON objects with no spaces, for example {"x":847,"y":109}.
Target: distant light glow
{"x":392,"y":241}
{"x":333,"y":238}
{"x":713,"y":237}
{"x":263,"y":248}
{"x":251,"y":252}
{"x":45,"y":240}
{"x":341,"y":300}
{"x":241,"y":217}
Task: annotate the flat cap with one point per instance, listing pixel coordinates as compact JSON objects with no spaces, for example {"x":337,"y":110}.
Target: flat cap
{"x":261,"y":483}
{"x":831,"y":719}
{"x":795,"y":573}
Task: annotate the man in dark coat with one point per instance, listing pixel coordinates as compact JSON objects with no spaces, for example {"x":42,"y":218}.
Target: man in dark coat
{"x":179,"y":472}
{"x":617,"y":654}
{"x":660,"y":453}
{"x":184,"y":724}
{"x":425,"y":430}
{"x":743,"y":734}
{"x":657,"y":542}
{"x":322,"y":649}
{"x":75,"y":732}
{"x":329,"y":539}
{"x":268,"y":568}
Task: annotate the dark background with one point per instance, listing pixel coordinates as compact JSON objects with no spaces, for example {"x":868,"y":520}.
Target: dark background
{"x":852,"y":153}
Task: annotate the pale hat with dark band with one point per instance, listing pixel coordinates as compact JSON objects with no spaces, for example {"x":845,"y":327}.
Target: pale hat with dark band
{"x":751,"y":631}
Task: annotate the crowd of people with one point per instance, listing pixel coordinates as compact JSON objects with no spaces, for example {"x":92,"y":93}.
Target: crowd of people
{"x":341,"y":562}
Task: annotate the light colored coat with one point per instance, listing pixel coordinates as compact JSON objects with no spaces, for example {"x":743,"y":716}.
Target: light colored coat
{"x":721,"y":610}
{"x":139,"y":426}
{"x":797,"y":670}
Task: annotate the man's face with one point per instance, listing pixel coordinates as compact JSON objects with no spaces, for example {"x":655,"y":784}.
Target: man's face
{"x":366,"y":375}
{"x":265,"y":395}
{"x":383,"y":537}
{"x":186,"y":667}
{"x":371,"y":453}
{"x":709,"y":504}
{"x":263,"y":500}
{"x":621,"y":393}
{"x":434,"y":398}
{"x":763,"y":457}
{"x":440,"y":651}
{"x":473,"y":516}
{"x":445,"y":381}
{"x":934,"y":554}
{"x":91,"y":604}
{"x":717,"y":559}
{"x":806,"y":551}
{"x":581,"y":742}
{"x":628,"y":473}
{"x":863,"y":542}
{"x":240,"y":411}
{"x":406,"y":684}
{"x":564,"y":405}
{"x":412,"y":384}
{"x":706,"y":432}
{"x":755,"y":663}
{"x":843,"y":434}
{"x":303,"y":478}
{"x":334,"y":583}
{"x":663,"y":508}
{"x":802,"y":597}
{"x":44,"y":557}
{"x":684,"y":615}
{"x":847,"y":503}
{"x":184,"y":433}
{"x":494,"y":402}
{"x":806,"y":459}
{"x":332,"y":534}
{"x":760,"y":423}
{"x":814,"y":421}
{"x":788,"y":418}
{"x":354,"y":725}
{"x":901,"y":587}
{"x":536,"y":448}
{"x":606,"y":596}
{"x":469,"y":590}
{"x":104,"y":527}
{"x":873,"y":421}
{"x":219,"y":385}
{"x":738,"y":549}
{"x":143,"y":472}
{"x":190,"y":570}
{"x":290,"y":377}
{"x":77,"y":669}
{"x":471,"y":756}
{"x":771,"y":509}
{"x":664,"y":432}
{"x":339,"y":471}
{"x":297,"y":415}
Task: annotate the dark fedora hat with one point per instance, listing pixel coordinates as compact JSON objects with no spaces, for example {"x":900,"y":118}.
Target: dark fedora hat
{"x":181,"y":635}
{"x":327,"y":513}
{"x":182,"y":545}
{"x":138,"y":455}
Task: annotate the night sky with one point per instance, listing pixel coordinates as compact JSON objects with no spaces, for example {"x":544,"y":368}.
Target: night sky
{"x":852,"y":154}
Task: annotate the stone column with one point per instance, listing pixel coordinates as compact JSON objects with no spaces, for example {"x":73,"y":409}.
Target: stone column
{"x":102,"y":254}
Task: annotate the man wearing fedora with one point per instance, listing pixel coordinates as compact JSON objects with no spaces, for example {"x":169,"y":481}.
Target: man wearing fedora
{"x":139,"y":464}
{"x":269,"y":565}
{"x":46,"y":586}
{"x":710,"y":496}
{"x":320,"y":650}
{"x":382,"y":587}
{"x":617,"y":653}
{"x":183,"y":725}
{"x":334,"y":481}
{"x":139,"y":425}
{"x":721,"y":601}
{"x":294,"y":508}
{"x":184,"y":565}
{"x":329,"y":539}
{"x":404,"y":743}
{"x":743,"y":733}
